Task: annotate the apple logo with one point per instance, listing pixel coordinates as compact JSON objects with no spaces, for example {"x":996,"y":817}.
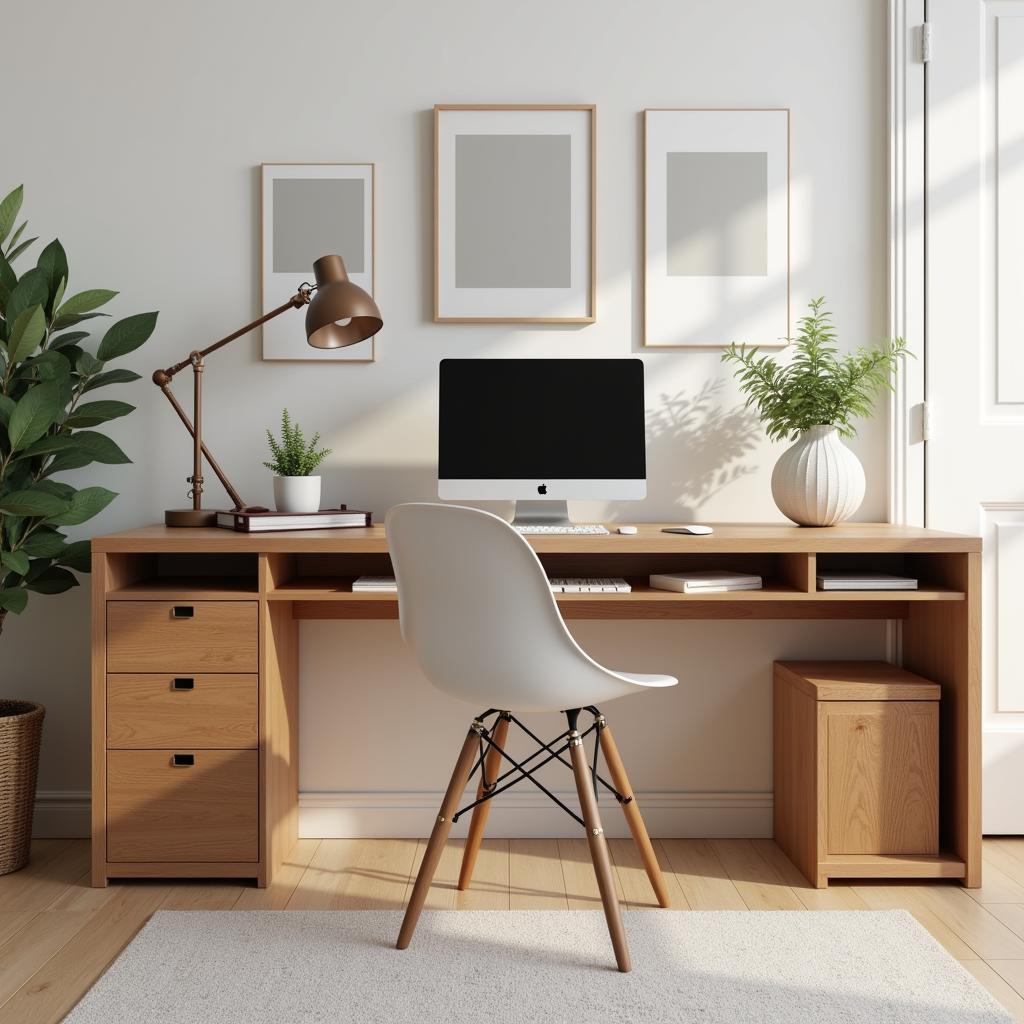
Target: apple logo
{"x":542,"y":488}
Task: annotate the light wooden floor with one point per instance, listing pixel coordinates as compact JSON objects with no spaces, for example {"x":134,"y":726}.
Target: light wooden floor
{"x":57,"y":935}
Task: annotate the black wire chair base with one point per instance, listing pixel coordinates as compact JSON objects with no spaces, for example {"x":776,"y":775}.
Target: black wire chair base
{"x":525,"y":770}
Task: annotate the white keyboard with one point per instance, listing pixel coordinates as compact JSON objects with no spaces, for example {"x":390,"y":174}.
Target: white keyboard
{"x":588,"y":529}
{"x":588,"y":585}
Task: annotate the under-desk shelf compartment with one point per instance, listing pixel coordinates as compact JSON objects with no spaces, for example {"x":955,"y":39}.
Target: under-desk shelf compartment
{"x":155,"y":576}
{"x":937,"y":574}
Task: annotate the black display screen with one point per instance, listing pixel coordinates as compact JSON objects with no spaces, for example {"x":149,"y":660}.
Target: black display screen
{"x":537,"y":419}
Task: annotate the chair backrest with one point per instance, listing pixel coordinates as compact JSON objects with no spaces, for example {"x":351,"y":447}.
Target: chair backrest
{"x":477,"y":610}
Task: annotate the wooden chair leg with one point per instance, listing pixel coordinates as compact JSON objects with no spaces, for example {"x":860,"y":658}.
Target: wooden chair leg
{"x":599,"y":850}
{"x":439,"y":834}
{"x":477,"y":824}
{"x":633,"y":816}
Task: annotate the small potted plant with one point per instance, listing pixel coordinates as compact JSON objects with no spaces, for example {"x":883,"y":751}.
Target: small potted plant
{"x":295,"y":489}
{"x":813,"y":401}
{"x":49,"y":374}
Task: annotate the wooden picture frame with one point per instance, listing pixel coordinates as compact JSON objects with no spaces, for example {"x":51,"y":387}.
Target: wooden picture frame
{"x":530,"y":259}
{"x":348,"y":191}
{"x":716,"y":227}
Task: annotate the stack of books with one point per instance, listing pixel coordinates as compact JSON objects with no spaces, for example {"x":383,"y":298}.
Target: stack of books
{"x":261,"y":522}
{"x":374,"y":585}
{"x":705,"y":581}
{"x":864,"y":581}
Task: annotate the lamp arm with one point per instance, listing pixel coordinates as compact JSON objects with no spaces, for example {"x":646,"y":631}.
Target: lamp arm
{"x":162,"y":379}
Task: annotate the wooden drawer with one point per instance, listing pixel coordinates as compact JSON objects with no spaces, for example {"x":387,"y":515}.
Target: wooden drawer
{"x":182,"y":637}
{"x":207,"y":811}
{"x":161,"y":710}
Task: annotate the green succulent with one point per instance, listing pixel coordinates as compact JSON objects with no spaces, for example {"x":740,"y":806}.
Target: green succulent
{"x":291,"y":455}
{"x":47,"y":370}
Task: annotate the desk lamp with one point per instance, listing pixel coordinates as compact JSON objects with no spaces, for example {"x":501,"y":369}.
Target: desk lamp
{"x":340,"y":313}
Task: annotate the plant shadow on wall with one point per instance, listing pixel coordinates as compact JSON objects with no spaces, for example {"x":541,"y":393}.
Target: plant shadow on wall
{"x":695,"y":448}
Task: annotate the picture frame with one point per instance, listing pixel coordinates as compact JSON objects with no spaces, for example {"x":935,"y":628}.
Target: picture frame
{"x":515,"y":213}
{"x":308,"y":211}
{"x":716,"y":227}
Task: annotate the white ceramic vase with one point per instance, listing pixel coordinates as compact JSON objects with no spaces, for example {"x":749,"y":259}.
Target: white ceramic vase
{"x":297,"y":493}
{"x":818,"y":481}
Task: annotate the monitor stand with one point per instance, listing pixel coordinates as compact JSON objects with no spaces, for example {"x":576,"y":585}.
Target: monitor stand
{"x":541,"y":513}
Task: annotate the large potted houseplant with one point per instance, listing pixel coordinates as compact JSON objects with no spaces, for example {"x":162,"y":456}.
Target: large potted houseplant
{"x":49,"y":374}
{"x":813,"y":401}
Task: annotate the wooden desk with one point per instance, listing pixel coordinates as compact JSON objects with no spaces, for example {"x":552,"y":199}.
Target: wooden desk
{"x":230,"y":808}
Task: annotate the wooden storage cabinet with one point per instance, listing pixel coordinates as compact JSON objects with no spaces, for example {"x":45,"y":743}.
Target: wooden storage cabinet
{"x":203,"y":809}
{"x":856,"y":769}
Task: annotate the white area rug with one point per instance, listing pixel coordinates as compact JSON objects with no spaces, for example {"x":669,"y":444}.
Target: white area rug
{"x":546,"y":966}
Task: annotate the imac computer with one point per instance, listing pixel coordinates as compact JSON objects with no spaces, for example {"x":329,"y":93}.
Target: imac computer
{"x":541,"y":431}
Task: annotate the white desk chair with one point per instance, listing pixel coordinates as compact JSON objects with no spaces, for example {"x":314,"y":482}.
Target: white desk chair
{"x":476,"y":608}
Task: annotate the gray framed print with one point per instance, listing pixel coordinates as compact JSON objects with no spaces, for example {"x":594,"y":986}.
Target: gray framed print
{"x":716,"y":227}
{"x":514,"y":196}
{"x":309,"y":211}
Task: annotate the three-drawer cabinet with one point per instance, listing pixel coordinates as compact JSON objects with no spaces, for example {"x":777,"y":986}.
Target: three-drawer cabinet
{"x":182,"y":735}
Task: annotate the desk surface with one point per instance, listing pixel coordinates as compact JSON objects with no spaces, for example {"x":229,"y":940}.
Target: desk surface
{"x":728,"y":537}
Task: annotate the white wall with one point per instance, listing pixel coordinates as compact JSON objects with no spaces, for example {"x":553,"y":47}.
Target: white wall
{"x":138,"y":132}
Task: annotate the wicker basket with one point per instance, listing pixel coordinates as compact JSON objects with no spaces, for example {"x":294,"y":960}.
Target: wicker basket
{"x":21,"y":730}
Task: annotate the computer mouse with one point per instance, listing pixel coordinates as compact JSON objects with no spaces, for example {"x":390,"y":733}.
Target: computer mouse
{"x":691,"y":528}
{"x":629,"y":531}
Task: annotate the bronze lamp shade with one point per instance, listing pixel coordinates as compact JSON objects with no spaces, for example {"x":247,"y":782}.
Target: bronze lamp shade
{"x":340,"y":313}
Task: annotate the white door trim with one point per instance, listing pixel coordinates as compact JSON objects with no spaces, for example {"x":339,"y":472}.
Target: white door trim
{"x":907,"y":258}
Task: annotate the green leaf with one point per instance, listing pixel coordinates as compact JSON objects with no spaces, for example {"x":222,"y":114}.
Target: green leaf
{"x":49,"y":365}
{"x":16,"y":561}
{"x":6,"y":408}
{"x":34,"y":414}
{"x":65,"y":491}
{"x":8,"y":279}
{"x":111,"y":377}
{"x":87,"y":364}
{"x":53,"y":581}
{"x":70,"y":319}
{"x":85,"y":504}
{"x":92,"y":413}
{"x":13,"y":599}
{"x":14,"y":253}
{"x":126,"y":335}
{"x":58,"y":294}
{"x":53,"y":262}
{"x":9,"y":207}
{"x":44,"y":543}
{"x":26,"y":334}
{"x":63,"y":340}
{"x":77,"y":556}
{"x":31,"y":290}
{"x":17,"y":234}
{"x":100,"y":447}
{"x":35,"y":502}
{"x":48,"y":445}
{"x":86,"y":301}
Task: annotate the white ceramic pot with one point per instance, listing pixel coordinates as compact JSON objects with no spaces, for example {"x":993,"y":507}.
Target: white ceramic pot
{"x":297,"y":493}
{"x":818,"y":481}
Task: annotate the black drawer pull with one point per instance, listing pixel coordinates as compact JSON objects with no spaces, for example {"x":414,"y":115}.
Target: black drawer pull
{"x":183,"y":684}
{"x":183,"y":760}
{"x":182,"y":611}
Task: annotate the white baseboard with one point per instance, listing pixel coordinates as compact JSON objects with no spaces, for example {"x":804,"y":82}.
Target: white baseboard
{"x":526,"y":815}
{"x":61,"y":814}
{"x":339,"y":815}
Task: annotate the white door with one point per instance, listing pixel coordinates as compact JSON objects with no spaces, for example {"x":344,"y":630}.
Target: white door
{"x":975,"y":346}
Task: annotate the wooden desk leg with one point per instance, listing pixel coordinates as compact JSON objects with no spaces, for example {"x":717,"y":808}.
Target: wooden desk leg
{"x":942,"y":641}
{"x":439,"y":835}
{"x":477,"y":824}
{"x":599,"y":851}
{"x":634,"y":818}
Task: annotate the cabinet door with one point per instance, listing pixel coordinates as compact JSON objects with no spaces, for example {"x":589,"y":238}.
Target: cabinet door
{"x":882,"y":765}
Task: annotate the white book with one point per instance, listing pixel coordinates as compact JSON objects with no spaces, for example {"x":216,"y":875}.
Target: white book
{"x":864,"y":581}
{"x":375,"y":584}
{"x":705,"y":581}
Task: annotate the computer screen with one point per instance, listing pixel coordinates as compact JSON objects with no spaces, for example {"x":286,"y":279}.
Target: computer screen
{"x":541,"y":428}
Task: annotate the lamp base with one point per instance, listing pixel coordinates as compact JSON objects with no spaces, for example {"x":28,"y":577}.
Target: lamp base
{"x":190,"y":517}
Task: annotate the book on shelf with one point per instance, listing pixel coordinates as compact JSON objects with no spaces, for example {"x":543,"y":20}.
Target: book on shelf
{"x":864,"y":581}
{"x":261,"y":521}
{"x":375,"y":585}
{"x":706,"y":581}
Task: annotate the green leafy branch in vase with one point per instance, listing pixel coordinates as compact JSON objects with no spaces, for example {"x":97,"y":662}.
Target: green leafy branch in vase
{"x":46,"y":372}
{"x":817,"y":387}
{"x":292,"y":456}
